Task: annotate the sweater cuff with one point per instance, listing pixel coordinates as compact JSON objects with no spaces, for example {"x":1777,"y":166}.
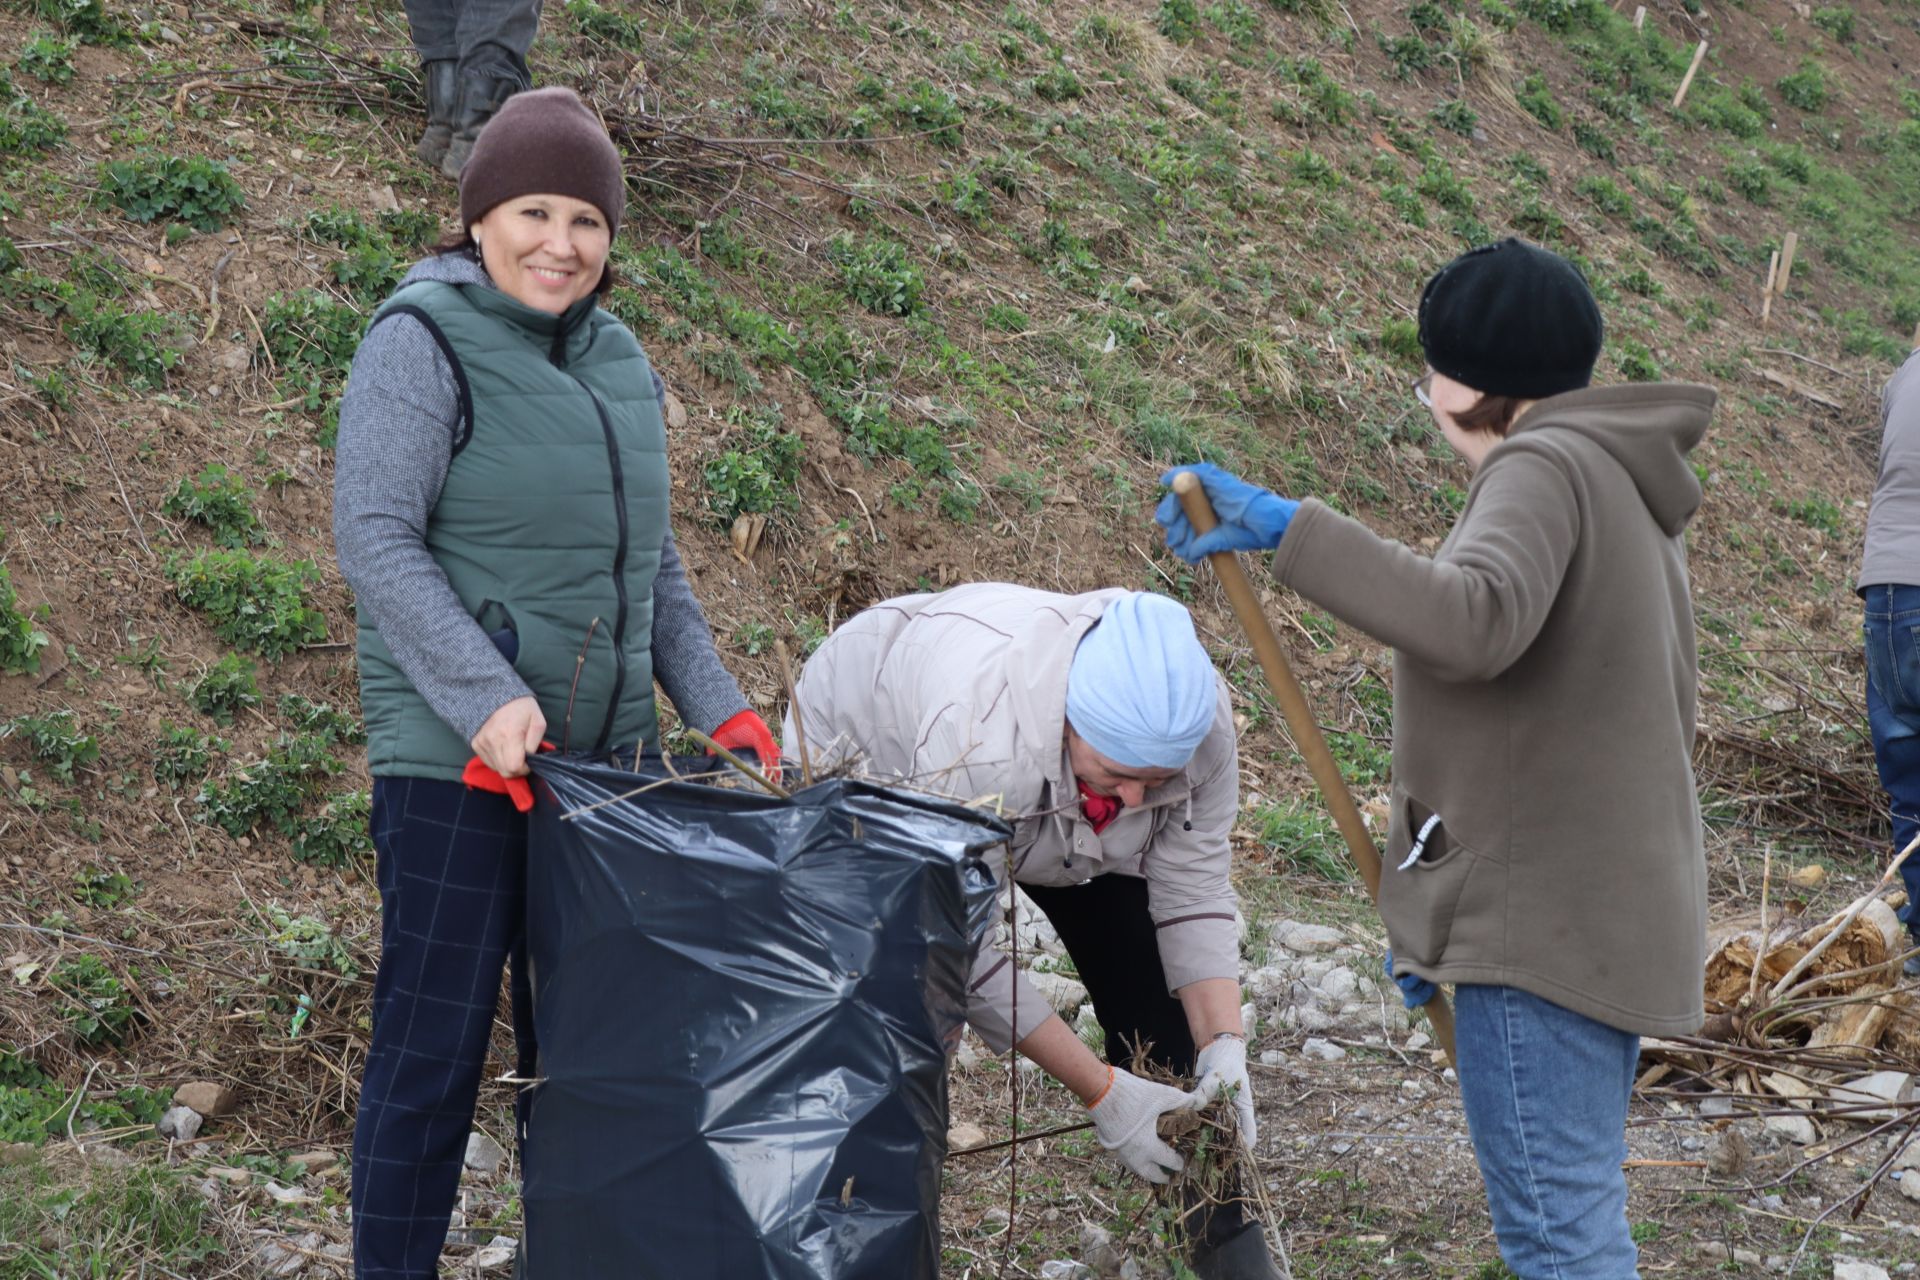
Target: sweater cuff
{"x":476,"y":705}
{"x":1299,"y":532}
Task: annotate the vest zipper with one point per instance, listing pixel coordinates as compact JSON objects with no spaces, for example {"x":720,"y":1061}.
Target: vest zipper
{"x":619,"y":566}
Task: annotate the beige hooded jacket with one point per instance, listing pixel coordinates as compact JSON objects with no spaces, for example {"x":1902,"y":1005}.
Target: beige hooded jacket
{"x":964,"y":693}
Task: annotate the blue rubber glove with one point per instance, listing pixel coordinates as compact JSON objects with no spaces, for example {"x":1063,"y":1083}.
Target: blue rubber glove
{"x":1414,"y":989}
{"x":1251,"y":519}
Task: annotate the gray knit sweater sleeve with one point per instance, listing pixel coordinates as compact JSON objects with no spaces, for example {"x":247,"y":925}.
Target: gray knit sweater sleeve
{"x":397,"y":424}
{"x":397,"y":421}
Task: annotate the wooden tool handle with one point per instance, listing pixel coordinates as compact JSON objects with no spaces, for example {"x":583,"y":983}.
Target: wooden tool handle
{"x":1299,"y":716}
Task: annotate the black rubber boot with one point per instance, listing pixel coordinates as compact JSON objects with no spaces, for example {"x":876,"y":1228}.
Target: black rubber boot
{"x":441,"y":81}
{"x":480,"y":97}
{"x":1241,"y":1256}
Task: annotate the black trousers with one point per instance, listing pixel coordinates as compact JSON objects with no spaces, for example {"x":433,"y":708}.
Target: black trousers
{"x":1111,"y":938}
{"x":1106,"y":930}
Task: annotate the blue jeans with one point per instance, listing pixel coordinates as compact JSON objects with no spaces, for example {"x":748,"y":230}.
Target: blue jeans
{"x":1892,"y":617}
{"x":1546,"y":1095}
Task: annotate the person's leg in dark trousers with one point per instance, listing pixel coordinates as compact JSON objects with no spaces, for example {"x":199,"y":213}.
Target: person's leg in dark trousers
{"x":1110,"y":936}
{"x":494,"y":37}
{"x":452,"y":872}
{"x":1891,"y":618}
{"x":1106,"y":929}
{"x":435,"y":28}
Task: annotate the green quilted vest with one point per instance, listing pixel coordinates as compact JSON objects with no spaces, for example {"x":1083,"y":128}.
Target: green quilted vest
{"x":550,"y":523}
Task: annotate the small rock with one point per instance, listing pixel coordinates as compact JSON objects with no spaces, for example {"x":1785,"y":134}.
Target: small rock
{"x":1130,"y":1269}
{"x":1064,"y":994}
{"x":277,"y":1263}
{"x":1308,"y":1018}
{"x":1894,"y":1087}
{"x":1418,"y":1041}
{"x":229,"y":1175}
{"x":1811,"y":876}
{"x":484,"y":1155}
{"x":210,"y":1099}
{"x":1306,"y":939}
{"x":1909,"y":1185}
{"x":1852,"y":1270}
{"x":1715,"y":1106}
{"x":1797,"y":1129}
{"x":498,"y":1252}
{"x":1097,"y":1251}
{"x":1909,"y":1157}
{"x":965,"y":1056}
{"x":1135,"y":285}
{"x":1066,"y":1269}
{"x":1322,"y":1050}
{"x":235,"y":359}
{"x":962,"y":1136}
{"x":1773,"y":1203}
{"x":676,"y":412}
{"x":182,"y":1124}
{"x":1339,"y":985}
{"x":286,"y":1195}
{"x":1728,"y":1154}
{"x":1271,"y":1057}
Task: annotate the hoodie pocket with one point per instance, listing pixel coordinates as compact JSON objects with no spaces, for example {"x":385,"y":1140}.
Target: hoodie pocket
{"x":1420,"y":886}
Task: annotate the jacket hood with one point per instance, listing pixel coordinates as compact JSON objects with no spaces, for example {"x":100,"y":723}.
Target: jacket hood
{"x":1648,"y":429}
{"x":448,"y":268}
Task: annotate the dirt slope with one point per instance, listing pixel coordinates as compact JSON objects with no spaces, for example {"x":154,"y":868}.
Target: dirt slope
{"x":940,"y":290}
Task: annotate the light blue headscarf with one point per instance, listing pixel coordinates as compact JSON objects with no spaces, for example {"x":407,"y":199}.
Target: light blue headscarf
{"x":1141,"y":687}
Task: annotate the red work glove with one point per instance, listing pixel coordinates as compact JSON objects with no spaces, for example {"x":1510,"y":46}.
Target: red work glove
{"x":748,"y":732}
{"x":482,"y":777}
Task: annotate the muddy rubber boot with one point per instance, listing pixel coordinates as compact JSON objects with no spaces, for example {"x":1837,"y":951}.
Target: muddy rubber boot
{"x":1241,"y":1256}
{"x":440,"y":78}
{"x":480,"y":97}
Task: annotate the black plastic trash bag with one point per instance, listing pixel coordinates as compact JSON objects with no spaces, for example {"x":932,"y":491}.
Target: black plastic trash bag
{"x":744,"y":1007}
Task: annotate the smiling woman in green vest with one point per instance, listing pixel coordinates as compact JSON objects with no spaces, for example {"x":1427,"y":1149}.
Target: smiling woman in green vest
{"x":501,"y":512}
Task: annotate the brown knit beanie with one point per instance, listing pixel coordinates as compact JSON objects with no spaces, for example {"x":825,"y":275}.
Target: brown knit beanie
{"x":543,"y":142}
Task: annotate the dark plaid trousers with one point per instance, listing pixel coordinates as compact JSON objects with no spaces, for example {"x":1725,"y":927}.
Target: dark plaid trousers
{"x":452,"y":873}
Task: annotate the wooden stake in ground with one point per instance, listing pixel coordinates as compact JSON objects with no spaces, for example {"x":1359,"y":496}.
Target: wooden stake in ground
{"x":1788,"y":248}
{"x":1766,"y":295}
{"x":1686,"y":81}
{"x":1300,"y":722}
{"x":1639,"y":17}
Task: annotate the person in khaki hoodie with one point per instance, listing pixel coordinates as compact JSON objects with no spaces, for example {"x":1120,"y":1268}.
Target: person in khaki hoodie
{"x":1545,"y":849}
{"x":1099,"y":725}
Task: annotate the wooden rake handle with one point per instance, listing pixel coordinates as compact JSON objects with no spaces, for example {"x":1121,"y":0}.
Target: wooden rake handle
{"x":1300,"y":722}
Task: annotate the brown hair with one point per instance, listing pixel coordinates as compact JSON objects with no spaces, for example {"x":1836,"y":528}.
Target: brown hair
{"x":1491,"y":413}
{"x":462,"y":241}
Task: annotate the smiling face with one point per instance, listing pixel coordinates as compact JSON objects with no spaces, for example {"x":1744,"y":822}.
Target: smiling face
{"x":1106,"y":778}
{"x":545,"y":251}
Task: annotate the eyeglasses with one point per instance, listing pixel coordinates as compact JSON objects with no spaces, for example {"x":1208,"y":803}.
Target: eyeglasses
{"x":1423,"y":388}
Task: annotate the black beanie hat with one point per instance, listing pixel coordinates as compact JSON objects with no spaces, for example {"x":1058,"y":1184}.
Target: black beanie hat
{"x":543,"y":142}
{"x":1511,"y":319}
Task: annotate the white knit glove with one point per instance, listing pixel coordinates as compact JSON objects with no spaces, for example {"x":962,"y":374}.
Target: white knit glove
{"x":1125,"y":1115}
{"x":1223,"y":1069}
